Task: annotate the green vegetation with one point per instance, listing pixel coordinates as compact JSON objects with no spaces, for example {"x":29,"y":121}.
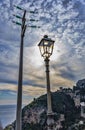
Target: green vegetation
{"x":32,"y":127}
{"x":62,"y":104}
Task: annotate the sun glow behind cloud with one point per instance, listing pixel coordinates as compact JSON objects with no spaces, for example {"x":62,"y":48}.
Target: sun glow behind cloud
{"x":63,"y":21}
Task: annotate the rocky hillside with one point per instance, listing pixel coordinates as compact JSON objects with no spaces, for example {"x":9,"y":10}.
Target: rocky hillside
{"x":81,"y":84}
{"x":34,"y":114}
{"x":80,"y":89}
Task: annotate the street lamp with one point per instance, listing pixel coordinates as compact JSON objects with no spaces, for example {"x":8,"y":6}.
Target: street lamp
{"x":46,"y":49}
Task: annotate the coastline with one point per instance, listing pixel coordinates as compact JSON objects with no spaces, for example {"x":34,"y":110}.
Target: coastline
{"x":7,"y":114}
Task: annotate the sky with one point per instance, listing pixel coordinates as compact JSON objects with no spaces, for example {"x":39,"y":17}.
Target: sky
{"x":64,"y":22}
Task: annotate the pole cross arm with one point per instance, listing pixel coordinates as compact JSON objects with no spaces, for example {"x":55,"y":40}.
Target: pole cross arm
{"x":29,"y":11}
{"x":17,"y":16}
{"x":17,"y":23}
{"x":33,"y":26}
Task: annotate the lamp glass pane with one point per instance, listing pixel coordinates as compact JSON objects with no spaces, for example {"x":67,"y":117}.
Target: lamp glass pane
{"x":46,"y":47}
{"x":46,"y":51}
{"x":41,"y":50}
{"x":46,"y":43}
{"x":51,"y":49}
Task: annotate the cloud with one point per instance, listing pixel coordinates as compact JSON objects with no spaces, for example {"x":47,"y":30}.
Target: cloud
{"x":63,"y":21}
{"x":8,"y":93}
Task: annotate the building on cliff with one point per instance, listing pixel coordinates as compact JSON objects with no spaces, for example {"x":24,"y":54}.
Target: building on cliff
{"x":83,"y":109}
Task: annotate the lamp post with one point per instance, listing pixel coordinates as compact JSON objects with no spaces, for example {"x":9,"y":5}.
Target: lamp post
{"x":46,"y":49}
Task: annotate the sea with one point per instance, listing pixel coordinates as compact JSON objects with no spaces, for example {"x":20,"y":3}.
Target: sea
{"x":7,"y":114}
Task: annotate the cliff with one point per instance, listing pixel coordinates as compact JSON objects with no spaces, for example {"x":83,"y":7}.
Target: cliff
{"x":34,"y":114}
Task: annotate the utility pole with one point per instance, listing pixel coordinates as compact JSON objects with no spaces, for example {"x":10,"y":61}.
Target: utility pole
{"x":19,"y":95}
{"x":20,"y":78}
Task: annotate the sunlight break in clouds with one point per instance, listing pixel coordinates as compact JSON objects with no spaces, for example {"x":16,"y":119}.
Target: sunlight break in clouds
{"x":64,"y":22}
